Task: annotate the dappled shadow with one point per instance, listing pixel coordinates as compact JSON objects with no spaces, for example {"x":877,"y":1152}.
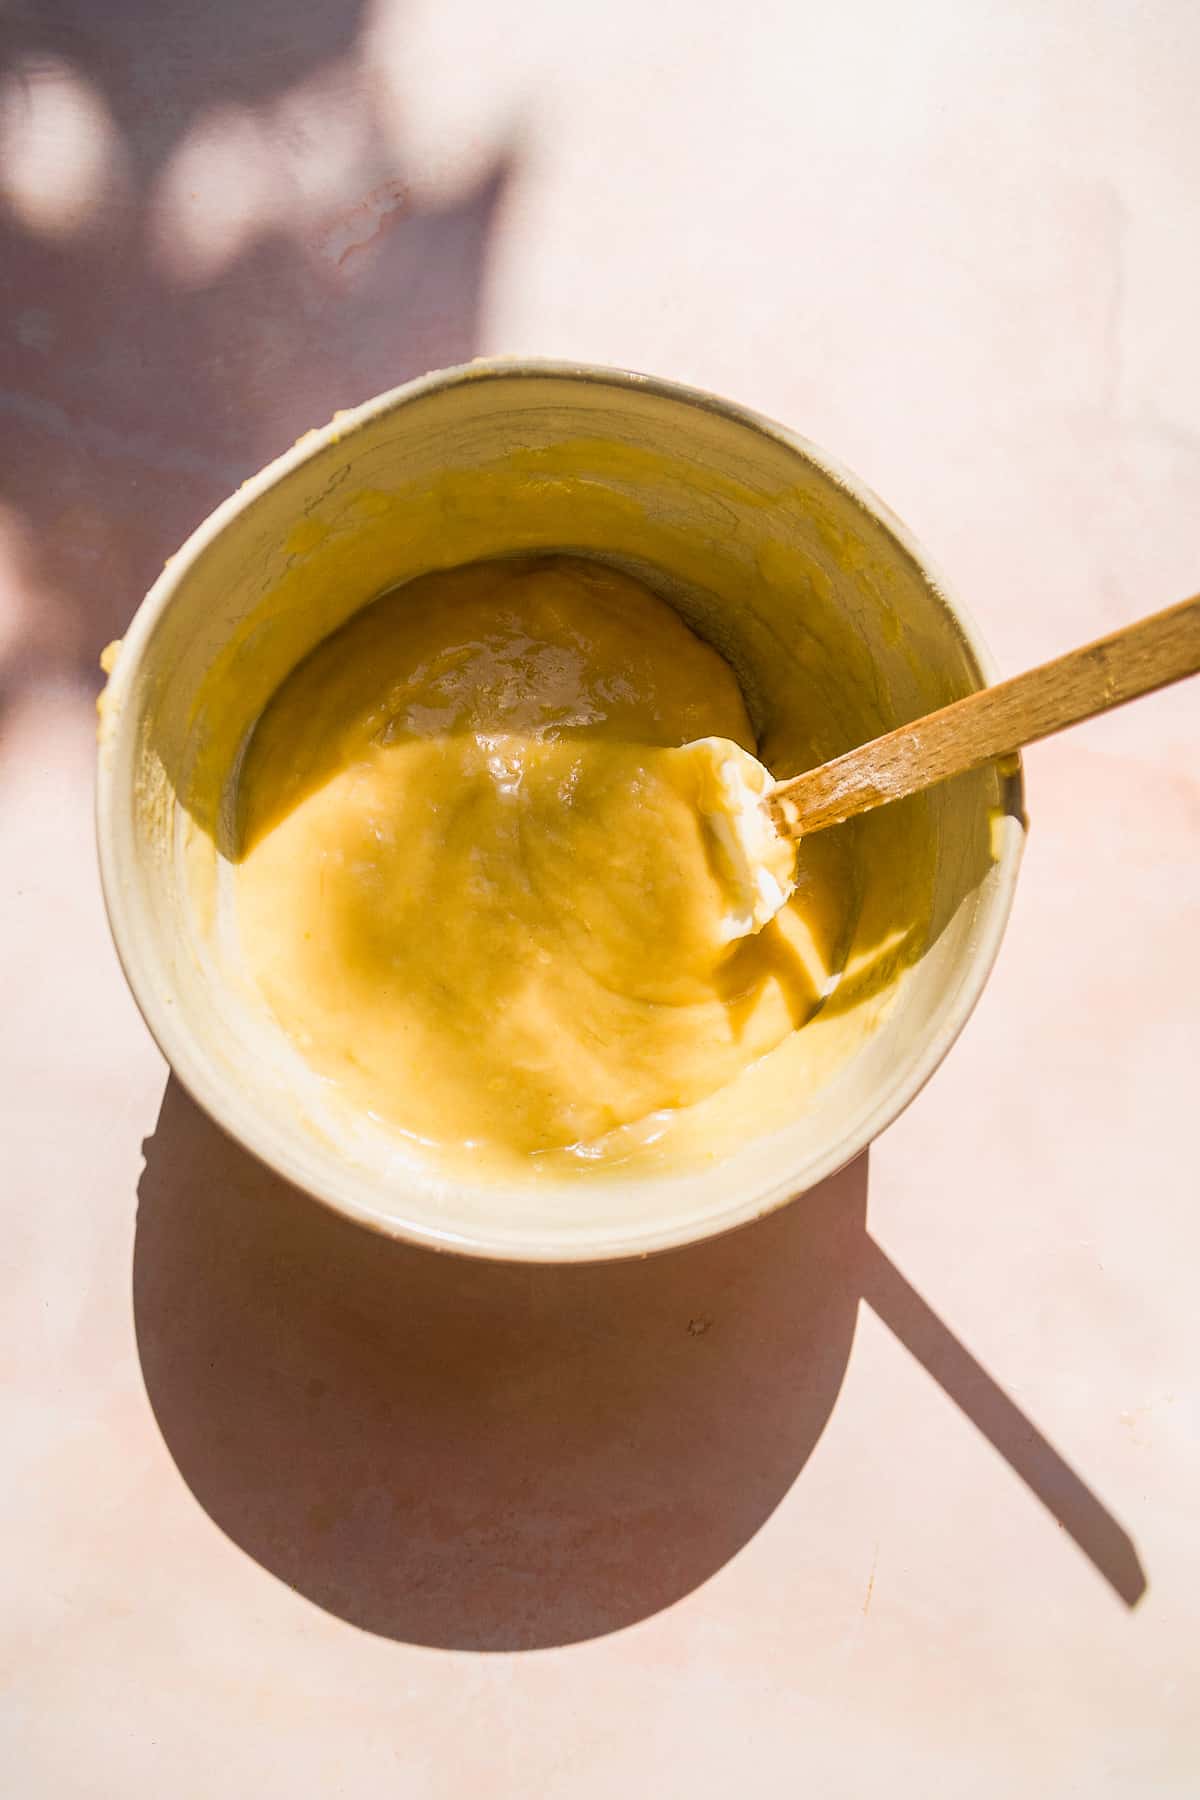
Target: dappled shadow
{"x":495,"y":1456}
{"x":252,"y":258}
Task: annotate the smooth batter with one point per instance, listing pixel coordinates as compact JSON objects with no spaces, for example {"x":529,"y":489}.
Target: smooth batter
{"x":476,"y":884}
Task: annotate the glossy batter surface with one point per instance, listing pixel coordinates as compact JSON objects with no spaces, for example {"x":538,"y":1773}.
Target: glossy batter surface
{"x":476,"y":885}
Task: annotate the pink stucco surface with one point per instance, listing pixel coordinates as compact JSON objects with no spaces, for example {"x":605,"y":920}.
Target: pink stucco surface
{"x":894,"y":1493}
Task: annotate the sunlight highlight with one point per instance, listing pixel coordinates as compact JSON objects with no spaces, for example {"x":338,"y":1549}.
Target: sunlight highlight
{"x":60,"y":152}
{"x":241,"y":175}
{"x":215,"y":195}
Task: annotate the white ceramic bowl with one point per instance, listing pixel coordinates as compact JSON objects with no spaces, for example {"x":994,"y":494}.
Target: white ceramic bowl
{"x":819,"y":597}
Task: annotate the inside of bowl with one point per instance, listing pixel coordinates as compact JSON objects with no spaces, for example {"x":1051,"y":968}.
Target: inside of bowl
{"x":836,"y":634}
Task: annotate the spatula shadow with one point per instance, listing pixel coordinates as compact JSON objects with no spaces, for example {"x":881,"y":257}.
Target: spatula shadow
{"x":499,"y":1457}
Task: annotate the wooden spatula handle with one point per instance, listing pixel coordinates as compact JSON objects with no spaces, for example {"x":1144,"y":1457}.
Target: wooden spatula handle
{"x":995,"y":722}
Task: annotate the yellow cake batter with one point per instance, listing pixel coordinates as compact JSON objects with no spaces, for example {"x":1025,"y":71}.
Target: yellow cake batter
{"x":476,"y":884}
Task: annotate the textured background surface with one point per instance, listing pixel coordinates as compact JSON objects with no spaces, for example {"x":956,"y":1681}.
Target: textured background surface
{"x":895,"y":1491}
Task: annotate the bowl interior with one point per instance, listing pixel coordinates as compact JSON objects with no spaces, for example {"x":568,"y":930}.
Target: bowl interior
{"x":834,"y":627}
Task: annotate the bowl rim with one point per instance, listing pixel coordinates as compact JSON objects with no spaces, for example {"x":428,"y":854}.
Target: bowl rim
{"x":221,"y":1100}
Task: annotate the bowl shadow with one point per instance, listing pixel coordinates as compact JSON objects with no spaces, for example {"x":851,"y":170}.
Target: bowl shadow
{"x":489,"y":1456}
{"x":479,"y":1455}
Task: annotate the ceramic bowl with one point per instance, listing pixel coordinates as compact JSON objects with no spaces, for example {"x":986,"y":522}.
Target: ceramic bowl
{"x":827,"y":609}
